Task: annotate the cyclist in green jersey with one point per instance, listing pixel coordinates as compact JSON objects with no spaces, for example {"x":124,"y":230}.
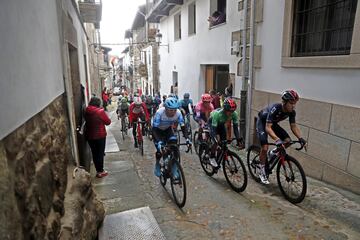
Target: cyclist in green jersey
{"x":217,"y":121}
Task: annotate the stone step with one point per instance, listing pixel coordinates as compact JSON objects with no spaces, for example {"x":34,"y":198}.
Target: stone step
{"x":133,"y":224}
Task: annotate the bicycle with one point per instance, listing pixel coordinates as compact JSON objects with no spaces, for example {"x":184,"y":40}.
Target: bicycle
{"x":139,"y":135}
{"x":201,"y":137}
{"x":188,"y":125}
{"x":233,"y":167}
{"x":171,"y":160}
{"x":124,"y":125}
{"x":289,"y":172}
{"x":148,"y":131}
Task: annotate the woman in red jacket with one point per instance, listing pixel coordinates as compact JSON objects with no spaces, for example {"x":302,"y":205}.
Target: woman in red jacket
{"x":96,"y":119}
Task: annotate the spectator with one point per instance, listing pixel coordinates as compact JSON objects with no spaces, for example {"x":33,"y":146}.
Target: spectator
{"x":216,"y":18}
{"x":229,"y":91}
{"x":215,"y":99}
{"x":95,"y":133}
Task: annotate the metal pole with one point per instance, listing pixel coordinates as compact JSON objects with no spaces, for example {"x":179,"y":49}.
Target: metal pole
{"x":251,"y":73}
{"x":243,"y":93}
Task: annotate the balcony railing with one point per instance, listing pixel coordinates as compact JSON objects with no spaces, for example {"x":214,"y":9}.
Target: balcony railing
{"x":90,"y":11}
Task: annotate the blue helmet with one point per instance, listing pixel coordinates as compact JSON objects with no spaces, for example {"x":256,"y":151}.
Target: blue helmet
{"x":171,"y":103}
{"x":187,"y":95}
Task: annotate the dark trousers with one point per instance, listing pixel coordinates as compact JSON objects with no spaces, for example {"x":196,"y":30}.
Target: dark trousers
{"x":98,"y":149}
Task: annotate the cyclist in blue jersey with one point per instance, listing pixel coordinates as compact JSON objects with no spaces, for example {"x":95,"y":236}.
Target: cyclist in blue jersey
{"x":162,"y":127}
{"x":267,"y":124}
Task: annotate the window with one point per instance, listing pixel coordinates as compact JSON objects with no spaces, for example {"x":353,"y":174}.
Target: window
{"x":177,"y":26}
{"x":192,"y":18}
{"x":217,"y":12}
{"x":322,"y":27}
{"x":336,"y":42}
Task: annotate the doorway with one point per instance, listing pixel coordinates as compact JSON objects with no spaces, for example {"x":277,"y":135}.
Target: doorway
{"x":216,"y":77}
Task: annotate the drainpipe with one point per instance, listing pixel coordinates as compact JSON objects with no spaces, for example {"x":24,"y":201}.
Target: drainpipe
{"x":251,"y":73}
{"x":243,"y":92}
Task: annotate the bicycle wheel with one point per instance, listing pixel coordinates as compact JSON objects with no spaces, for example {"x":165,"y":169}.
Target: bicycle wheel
{"x":126,"y":123}
{"x":291,"y":179}
{"x":178,"y":185}
{"x":189,"y":131}
{"x":204,"y":156}
{"x":123,"y":128}
{"x":235,"y":172}
{"x":162,"y":178}
{"x":141,"y":146}
{"x":196,"y":142}
{"x":178,"y":136}
{"x":253,"y":161}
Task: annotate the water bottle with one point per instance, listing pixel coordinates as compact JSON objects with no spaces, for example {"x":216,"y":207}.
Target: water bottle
{"x":166,"y":162}
{"x":271,"y":155}
{"x":161,"y":163}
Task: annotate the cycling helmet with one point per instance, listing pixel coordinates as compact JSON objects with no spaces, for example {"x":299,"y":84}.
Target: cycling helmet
{"x":290,"y":95}
{"x":124,"y":100}
{"x":206,"y":97}
{"x":187,"y":95}
{"x":171,"y":103}
{"x":137,"y":100}
{"x":229,"y":105}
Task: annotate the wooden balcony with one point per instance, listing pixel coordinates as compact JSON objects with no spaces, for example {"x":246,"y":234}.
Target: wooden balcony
{"x":90,"y":11}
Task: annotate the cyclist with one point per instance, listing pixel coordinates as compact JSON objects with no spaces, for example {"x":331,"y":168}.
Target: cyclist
{"x":149,"y":102}
{"x":184,"y":103}
{"x":123,"y":107}
{"x":267,"y":124}
{"x":157,"y":102}
{"x":203,"y":109}
{"x":137,"y":110}
{"x":218,"y":119}
{"x":162,"y":128}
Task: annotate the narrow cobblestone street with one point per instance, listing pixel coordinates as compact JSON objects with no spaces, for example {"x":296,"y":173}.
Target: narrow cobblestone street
{"x":213,"y":210}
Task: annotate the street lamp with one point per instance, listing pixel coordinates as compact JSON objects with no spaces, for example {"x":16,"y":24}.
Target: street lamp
{"x":158,"y":38}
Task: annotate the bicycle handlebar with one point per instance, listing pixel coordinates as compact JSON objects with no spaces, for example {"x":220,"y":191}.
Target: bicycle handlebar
{"x":290,"y":143}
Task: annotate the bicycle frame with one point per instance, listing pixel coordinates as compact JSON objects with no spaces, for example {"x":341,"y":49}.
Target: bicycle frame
{"x":280,"y":158}
{"x":171,"y":149}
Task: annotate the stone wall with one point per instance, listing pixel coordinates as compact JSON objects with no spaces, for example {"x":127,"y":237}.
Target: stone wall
{"x":33,"y":175}
{"x":333,"y":135}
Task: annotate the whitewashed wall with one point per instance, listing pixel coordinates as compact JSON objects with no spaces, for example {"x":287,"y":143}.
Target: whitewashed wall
{"x":207,"y":46}
{"x":340,"y":86}
{"x":31,"y":59}
{"x":30,"y":63}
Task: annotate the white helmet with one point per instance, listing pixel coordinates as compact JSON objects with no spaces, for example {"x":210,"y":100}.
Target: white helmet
{"x":137,"y":101}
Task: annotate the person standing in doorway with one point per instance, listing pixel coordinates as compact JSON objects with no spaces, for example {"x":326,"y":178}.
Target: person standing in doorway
{"x":95,"y":133}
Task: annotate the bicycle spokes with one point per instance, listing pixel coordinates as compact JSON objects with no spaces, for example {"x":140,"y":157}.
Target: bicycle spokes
{"x":292,"y":181}
{"x":235,"y":173}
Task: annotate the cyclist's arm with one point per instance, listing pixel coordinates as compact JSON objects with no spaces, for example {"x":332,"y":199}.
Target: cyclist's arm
{"x":131,"y":114}
{"x":182,"y":124}
{"x":295,"y":129}
{"x":235,"y":122}
{"x":147,"y":115}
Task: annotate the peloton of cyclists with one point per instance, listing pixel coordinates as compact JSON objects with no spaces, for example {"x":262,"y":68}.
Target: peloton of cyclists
{"x":267,"y":124}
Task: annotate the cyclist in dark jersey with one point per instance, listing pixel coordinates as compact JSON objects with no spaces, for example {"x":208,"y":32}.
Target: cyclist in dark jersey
{"x":267,"y":124}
